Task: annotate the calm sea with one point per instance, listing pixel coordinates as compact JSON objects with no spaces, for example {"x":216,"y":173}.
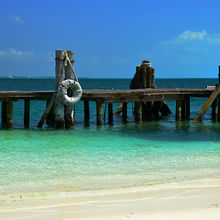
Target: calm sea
{"x":122,"y":156}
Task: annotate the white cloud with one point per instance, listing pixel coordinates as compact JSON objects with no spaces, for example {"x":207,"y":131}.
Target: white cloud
{"x":192,"y":35}
{"x":16,"y":19}
{"x":15,"y":53}
{"x":187,"y":37}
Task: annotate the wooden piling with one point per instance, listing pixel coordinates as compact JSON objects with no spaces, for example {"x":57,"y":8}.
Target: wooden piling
{"x":110,"y":114}
{"x":49,"y":110}
{"x":50,"y":118}
{"x":59,"y":108}
{"x":178,"y":110}
{"x":69,"y":113}
{"x":138,"y":115}
{"x":148,"y":77}
{"x":124,"y":112}
{"x":143,"y":81}
{"x":86,"y":112}
{"x":26,"y":113}
{"x":152,"y":81}
{"x":99,"y":112}
{"x":214,"y":111}
{"x":3,"y":113}
{"x":183,"y":110}
{"x":9,"y":114}
{"x":187,"y":100}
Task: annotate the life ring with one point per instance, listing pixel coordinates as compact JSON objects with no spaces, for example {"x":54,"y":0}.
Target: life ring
{"x":66,"y":87}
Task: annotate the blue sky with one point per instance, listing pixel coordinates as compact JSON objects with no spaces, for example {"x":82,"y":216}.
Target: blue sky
{"x":110,"y":38}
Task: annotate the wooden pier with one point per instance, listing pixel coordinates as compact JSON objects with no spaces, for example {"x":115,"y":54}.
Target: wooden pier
{"x":149,"y":101}
{"x":181,"y":96}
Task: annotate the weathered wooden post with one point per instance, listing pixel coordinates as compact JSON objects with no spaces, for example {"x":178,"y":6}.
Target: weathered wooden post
{"x":59,"y":108}
{"x":187,"y":99}
{"x":99,"y":112}
{"x":69,"y":111}
{"x":50,"y":118}
{"x":138,"y":115}
{"x":214,"y":111}
{"x":86,"y":112}
{"x":26,"y":113}
{"x":9,"y":114}
{"x":145,"y":78}
{"x":124,"y":112}
{"x":3,"y":113}
{"x":178,"y":110}
{"x":110,"y":114}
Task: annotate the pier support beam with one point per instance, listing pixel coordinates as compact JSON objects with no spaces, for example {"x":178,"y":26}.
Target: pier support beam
{"x":26,"y":113}
{"x":110,"y":114}
{"x":138,"y":114}
{"x":180,"y":110}
{"x":99,"y":112}
{"x":7,"y":114}
{"x":214,"y":111}
{"x":187,"y":107}
{"x":3,"y":113}
{"x":69,"y":111}
{"x":208,"y":103}
{"x":50,"y":118}
{"x":59,"y":108}
{"x":86,"y":112}
{"x":124,"y":112}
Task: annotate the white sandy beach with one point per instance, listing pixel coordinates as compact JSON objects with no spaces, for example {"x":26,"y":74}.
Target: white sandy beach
{"x":182,"y":202}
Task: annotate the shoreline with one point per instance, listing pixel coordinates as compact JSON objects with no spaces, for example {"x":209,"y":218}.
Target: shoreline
{"x":172,"y":200}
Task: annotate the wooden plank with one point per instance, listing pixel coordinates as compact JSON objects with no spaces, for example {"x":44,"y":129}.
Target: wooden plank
{"x":208,"y":103}
{"x":26,"y":113}
{"x":47,"y":111}
{"x":111,"y":94}
{"x":50,"y":118}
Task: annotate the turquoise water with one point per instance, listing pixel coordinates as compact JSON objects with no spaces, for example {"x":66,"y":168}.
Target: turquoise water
{"x":121,"y":156}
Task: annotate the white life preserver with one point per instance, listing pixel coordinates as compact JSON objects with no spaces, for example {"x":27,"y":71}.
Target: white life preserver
{"x":76,"y":92}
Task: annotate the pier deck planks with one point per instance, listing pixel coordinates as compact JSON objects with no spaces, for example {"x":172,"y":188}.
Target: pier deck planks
{"x":114,"y":96}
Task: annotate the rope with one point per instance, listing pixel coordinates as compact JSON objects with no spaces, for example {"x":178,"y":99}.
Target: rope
{"x":68,"y":60}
